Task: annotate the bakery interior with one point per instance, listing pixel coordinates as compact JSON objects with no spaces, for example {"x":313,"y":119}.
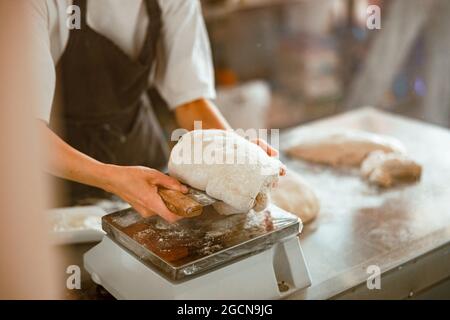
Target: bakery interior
{"x":306,"y":68}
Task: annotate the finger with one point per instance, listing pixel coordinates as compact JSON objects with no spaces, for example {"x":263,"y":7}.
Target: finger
{"x":160,"y":208}
{"x":145,"y":213}
{"x":168,"y":182}
{"x":283,"y":171}
{"x":272,"y":152}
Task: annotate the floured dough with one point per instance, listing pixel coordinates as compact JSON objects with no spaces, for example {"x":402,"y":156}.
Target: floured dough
{"x":345,"y":148}
{"x":388,"y":169}
{"x":295,"y":196}
{"x":226,"y":166}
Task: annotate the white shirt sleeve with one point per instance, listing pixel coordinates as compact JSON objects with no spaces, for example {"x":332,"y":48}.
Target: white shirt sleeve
{"x":184,"y":65}
{"x":41,"y":70}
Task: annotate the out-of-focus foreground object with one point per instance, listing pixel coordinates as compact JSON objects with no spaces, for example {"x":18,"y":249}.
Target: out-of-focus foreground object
{"x":27,"y":264}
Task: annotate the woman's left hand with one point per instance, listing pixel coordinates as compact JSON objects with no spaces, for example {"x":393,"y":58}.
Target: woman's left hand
{"x":271,"y":151}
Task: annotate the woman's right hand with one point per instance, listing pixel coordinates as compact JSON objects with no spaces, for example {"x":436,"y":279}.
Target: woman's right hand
{"x":139,"y":187}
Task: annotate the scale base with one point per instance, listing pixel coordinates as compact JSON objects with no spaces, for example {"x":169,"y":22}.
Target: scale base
{"x":255,"y":277}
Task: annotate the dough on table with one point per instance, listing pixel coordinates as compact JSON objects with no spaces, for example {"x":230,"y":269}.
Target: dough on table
{"x":295,"y":196}
{"x":344,"y":148}
{"x":227,"y":167}
{"x":389,"y":169}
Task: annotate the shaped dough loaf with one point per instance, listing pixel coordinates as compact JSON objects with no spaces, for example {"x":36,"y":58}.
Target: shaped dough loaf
{"x":226,"y":166}
{"x":346,"y":148}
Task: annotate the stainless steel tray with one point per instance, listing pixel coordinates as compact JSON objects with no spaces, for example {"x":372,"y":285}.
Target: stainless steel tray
{"x":192,"y":246}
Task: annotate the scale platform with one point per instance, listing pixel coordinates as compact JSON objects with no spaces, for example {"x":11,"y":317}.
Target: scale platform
{"x":253,"y":256}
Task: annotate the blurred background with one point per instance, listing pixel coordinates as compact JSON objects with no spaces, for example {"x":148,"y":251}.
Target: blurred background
{"x":300,"y":60}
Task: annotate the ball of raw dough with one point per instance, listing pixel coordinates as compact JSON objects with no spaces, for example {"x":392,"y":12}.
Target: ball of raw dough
{"x":295,"y":196}
{"x":227,"y":166}
{"x":389,"y":169}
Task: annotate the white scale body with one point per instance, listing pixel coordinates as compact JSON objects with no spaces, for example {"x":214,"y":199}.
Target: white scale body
{"x":254,"y":277}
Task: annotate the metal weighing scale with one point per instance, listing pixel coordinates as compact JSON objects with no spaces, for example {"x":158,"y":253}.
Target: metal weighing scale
{"x":253,"y":256}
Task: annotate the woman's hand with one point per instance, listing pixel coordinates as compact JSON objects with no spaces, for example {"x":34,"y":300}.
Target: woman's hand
{"x":272,"y":152}
{"x":139,"y":187}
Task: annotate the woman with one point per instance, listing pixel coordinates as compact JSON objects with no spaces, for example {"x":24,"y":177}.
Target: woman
{"x":94,"y":80}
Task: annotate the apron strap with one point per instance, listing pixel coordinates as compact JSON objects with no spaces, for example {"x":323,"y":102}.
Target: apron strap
{"x":82,"y":4}
{"x":148,"y":53}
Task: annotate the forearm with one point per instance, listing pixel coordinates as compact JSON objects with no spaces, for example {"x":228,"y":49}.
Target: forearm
{"x":68,"y":163}
{"x":200,"y":110}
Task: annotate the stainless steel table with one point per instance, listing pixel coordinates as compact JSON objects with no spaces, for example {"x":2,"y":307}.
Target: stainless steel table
{"x":404,"y":231}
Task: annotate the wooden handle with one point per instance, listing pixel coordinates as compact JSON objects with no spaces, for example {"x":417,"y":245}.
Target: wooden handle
{"x":180,"y":204}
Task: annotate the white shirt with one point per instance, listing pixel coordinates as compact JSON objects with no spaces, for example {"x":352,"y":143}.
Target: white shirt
{"x":184,"y":68}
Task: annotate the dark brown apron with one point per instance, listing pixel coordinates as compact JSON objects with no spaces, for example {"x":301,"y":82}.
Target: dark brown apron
{"x":106,"y":113}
